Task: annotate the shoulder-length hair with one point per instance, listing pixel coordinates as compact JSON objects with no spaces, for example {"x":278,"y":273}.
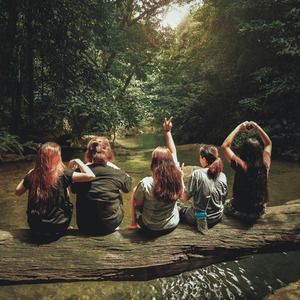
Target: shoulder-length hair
{"x":98,"y":150}
{"x":166,"y":176}
{"x":215,"y":163}
{"x":45,"y":175}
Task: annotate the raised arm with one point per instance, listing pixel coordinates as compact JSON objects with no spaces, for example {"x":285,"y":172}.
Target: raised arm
{"x":264,"y":137}
{"x":167,"y":126}
{"x":226,"y":146}
{"x":86,"y":173}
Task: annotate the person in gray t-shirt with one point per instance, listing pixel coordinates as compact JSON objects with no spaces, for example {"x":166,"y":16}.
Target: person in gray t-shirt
{"x":208,"y":188}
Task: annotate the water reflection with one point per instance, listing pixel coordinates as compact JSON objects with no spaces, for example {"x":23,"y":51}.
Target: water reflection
{"x":249,"y":278}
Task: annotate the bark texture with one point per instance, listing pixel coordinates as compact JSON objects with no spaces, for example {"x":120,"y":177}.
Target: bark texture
{"x":127,"y":255}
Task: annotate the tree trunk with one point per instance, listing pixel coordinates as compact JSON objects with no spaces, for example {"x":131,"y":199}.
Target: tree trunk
{"x":8,"y":70}
{"x":17,"y":94}
{"x":29,"y":63}
{"x":127,"y":255}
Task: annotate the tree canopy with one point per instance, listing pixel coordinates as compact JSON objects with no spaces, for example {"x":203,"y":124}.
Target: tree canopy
{"x":75,"y":67}
{"x":231,"y":61}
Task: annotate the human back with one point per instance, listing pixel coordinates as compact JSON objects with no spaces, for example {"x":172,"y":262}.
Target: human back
{"x":251,"y":166}
{"x":99,"y":204}
{"x":207,"y":187}
{"x":153,"y":201}
{"x":158,"y":193}
{"x":49,"y":209}
{"x":208,"y":193}
{"x":45,"y":180}
{"x":250,"y":193}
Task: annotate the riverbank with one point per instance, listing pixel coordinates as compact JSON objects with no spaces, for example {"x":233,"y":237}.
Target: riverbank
{"x":138,"y":140}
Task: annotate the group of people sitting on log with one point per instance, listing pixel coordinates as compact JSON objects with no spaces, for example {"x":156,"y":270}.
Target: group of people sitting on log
{"x":156,"y":202}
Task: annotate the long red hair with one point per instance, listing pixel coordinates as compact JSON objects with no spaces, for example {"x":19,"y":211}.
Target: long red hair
{"x":44,"y":177}
{"x":166,"y":176}
{"x":98,"y":150}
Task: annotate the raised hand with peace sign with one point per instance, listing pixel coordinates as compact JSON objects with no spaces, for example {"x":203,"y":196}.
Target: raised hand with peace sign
{"x":167,"y":125}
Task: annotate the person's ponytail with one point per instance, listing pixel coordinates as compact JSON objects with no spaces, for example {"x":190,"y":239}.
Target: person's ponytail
{"x":215,"y":168}
{"x":215,"y":163}
{"x":98,"y":151}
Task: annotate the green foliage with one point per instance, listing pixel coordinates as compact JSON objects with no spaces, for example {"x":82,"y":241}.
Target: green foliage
{"x":30,"y":146}
{"x":9,"y":143}
{"x":74,"y":67}
{"x":228,"y":62}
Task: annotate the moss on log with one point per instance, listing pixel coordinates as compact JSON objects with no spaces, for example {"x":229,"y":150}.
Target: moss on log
{"x":126,"y":255}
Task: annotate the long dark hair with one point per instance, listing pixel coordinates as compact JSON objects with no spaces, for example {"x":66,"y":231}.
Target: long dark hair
{"x":44,"y":177}
{"x":215,"y":163}
{"x":166,"y":176}
{"x":252,"y":154}
{"x":98,"y":151}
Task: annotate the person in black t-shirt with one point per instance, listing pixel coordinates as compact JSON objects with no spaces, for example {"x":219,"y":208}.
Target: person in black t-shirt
{"x":49,"y":209}
{"x":99,"y":204}
{"x":250,"y":194}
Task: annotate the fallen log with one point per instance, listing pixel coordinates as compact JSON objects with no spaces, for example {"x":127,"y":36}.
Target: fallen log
{"x":127,"y":255}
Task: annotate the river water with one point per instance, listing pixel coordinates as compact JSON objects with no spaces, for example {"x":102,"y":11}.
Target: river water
{"x":252,"y":277}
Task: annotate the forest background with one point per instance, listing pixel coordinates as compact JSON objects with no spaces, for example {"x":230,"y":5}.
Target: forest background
{"x":72,"y":67}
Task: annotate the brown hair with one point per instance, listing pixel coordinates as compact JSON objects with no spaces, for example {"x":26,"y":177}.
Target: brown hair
{"x":215,"y":164}
{"x":166,"y":176}
{"x":44,"y":177}
{"x":98,"y":150}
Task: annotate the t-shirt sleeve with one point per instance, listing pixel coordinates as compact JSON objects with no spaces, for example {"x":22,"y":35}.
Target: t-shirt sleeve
{"x":68,"y":174}
{"x":191,"y":186}
{"x":139,"y":194}
{"x":126,"y":183}
{"x":223,"y":187}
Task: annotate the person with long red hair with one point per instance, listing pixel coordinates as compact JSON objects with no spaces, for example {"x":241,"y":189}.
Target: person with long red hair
{"x":49,"y":209}
{"x":153,"y":201}
{"x":99,"y":204}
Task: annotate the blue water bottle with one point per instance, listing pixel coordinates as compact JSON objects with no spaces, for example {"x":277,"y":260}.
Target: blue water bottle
{"x":201,"y":217}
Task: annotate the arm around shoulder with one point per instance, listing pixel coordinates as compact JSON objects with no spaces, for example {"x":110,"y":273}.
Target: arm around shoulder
{"x":86,"y":173}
